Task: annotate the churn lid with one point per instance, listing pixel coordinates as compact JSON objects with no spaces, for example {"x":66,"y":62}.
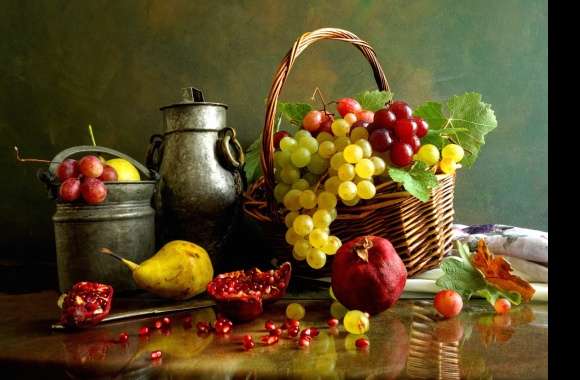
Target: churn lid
{"x":191,"y":96}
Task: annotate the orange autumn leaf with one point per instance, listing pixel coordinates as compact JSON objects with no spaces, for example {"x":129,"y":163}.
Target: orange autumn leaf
{"x":497,"y":271}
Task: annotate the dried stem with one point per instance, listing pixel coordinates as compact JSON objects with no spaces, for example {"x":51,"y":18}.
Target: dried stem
{"x":18,"y":158}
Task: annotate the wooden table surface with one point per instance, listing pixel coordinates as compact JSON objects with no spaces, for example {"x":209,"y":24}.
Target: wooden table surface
{"x":407,"y":341}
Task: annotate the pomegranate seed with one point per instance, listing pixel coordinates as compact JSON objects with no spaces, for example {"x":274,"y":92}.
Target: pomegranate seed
{"x":158,"y":324}
{"x":187,"y":322}
{"x":166,"y":321}
{"x":270,"y":325}
{"x":293,"y":323}
{"x":123,"y":337}
{"x":362,"y":343}
{"x":269,"y":339}
{"x":314,"y":332}
{"x":332,"y":322}
{"x":276,"y":332}
{"x":202,"y":327}
{"x":144,"y":331}
{"x":306,"y":332}
{"x":293,"y":331}
{"x":304,"y":341}
{"x":155,"y":355}
{"x":248,"y":342}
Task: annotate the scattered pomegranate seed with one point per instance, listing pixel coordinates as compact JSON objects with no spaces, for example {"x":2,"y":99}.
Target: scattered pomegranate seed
{"x":202,"y":327}
{"x":362,"y":343}
{"x":314,"y":332}
{"x":293,"y":323}
{"x":269,"y":339}
{"x":158,"y":324}
{"x":332,"y":322}
{"x":248,"y":342}
{"x":276,"y":332}
{"x":306,"y":332}
{"x":123,"y":337}
{"x":187,"y":322}
{"x":166,"y":321}
{"x":293,"y":331}
{"x":304,"y":341}
{"x":144,"y":330}
{"x":270,"y":325}
{"x":155,"y":355}
{"x":223,"y":326}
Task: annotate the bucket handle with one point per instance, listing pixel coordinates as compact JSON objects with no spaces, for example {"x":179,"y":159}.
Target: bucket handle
{"x":151,"y":174}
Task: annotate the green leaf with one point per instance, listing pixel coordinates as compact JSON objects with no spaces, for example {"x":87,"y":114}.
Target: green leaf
{"x":465,"y":120}
{"x":373,"y":100}
{"x":252,"y":167}
{"x":418,"y":181}
{"x":294,"y":112}
{"x":491,"y":294}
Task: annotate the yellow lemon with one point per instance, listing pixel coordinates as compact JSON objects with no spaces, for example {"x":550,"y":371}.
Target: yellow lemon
{"x":125,"y":170}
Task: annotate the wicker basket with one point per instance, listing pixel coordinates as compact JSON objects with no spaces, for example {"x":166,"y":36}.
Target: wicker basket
{"x":420,"y":231}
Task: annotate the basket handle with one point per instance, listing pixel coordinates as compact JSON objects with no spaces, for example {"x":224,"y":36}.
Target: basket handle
{"x":307,"y":39}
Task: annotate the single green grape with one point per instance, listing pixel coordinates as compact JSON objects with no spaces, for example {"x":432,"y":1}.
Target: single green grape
{"x":366,"y":189}
{"x":326,"y":149}
{"x":359,"y":133}
{"x":365,"y":146}
{"x":309,"y":143}
{"x":301,"y":184}
{"x":295,"y":311}
{"x":453,"y":151}
{"x":300,"y":157}
{"x":358,"y":179}
{"x":356,"y":322}
{"x":327,"y":200}
{"x":318,"y":165}
{"x":311,"y":178}
{"x":337,"y":310}
{"x":447,"y":165}
{"x":288,"y":144}
{"x":350,"y":118}
{"x":316,"y":258}
{"x":281,"y":159}
{"x":340,"y":127}
{"x":292,"y":237}
{"x":380,"y":165}
{"x":365,"y":168}
{"x":352,"y":202}
{"x":346,"y":172}
{"x":280,"y":190}
{"x":303,"y":225}
{"x":292,"y":200}
{"x":289,"y":218}
{"x":341,"y":142}
{"x":308,"y":199}
{"x":336,"y":160}
{"x":318,"y":238}
{"x":332,"y":245}
{"x":428,"y":154}
{"x":322,"y":218}
{"x":324,"y":136}
{"x":300,"y":250}
{"x":301,"y":133}
{"x":332,"y":183}
{"x":333,"y":214}
{"x":347,"y":191}
{"x":289,"y":175}
{"x":352,"y":153}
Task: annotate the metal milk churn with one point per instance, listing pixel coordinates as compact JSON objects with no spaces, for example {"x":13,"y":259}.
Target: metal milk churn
{"x":200,"y":164}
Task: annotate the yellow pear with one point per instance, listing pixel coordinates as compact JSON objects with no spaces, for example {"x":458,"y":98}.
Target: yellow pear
{"x":180,"y":270}
{"x":126,"y":171}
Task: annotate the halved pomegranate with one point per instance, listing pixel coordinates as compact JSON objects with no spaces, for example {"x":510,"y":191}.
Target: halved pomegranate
{"x":86,"y":304}
{"x":241,"y":294}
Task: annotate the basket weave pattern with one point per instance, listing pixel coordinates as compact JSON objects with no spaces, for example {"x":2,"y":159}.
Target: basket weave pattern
{"x":420,"y":231}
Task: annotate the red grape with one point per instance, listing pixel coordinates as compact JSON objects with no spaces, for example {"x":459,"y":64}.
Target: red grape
{"x":93,"y":190}
{"x":401,"y":110}
{"x":325,"y":124}
{"x":70,"y":190}
{"x":91,"y":166}
{"x":401,"y":153}
{"x":381,"y":140}
{"x":385,"y":119}
{"x":359,"y":123}
{"x":67,"y":169}
{"x":312,"y":120}
{"x":109,"y":174}
{"x":422,"y":127}
{"x":405,"y":129}
{"x":366,"y":116}
{"x":279,"y":136}
{"x":347,"y":105}
{"x":413,"y":141}
{"x":448,"y":303}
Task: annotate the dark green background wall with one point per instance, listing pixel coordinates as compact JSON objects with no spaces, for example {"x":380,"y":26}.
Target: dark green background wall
{"x":110,"y":63}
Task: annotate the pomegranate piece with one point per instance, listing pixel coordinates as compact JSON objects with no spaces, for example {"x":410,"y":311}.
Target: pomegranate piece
{"x":240,"y":295}
{"x":86,"y":304}
{"x":368,"y":274}
{"x":362,"y":343}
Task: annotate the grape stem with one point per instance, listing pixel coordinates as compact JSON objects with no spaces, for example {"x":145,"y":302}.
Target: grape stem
{"x":18,"y":158}
{"x":324,"y":104}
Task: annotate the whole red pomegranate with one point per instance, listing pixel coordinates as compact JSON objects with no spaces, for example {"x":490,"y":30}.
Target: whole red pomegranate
{"x":368,"y":274}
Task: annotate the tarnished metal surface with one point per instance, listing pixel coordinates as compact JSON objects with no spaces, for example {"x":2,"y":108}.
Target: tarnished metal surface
{"x":199,"y":189}
{"x":124,"y":223}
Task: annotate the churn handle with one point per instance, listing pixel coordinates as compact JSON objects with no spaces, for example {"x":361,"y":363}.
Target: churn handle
{"x":151,"y":174}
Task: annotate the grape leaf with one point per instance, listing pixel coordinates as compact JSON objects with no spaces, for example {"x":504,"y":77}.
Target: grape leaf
{"x":252,"y":167}
{"x":373,"y":100}
{"x":294,"y":112}
{"x":418,"y":181}
{"x":465,"y":120}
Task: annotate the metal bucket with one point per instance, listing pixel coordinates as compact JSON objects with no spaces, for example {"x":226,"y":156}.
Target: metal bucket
{"x":124,"y":223}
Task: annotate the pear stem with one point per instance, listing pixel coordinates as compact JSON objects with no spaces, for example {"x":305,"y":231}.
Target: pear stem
{"x":130,"y":264}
